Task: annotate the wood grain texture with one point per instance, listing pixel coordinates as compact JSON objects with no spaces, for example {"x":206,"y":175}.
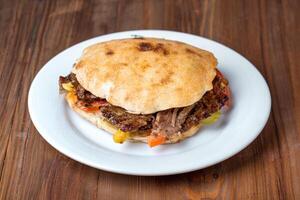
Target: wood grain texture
{"x":266,"y":32}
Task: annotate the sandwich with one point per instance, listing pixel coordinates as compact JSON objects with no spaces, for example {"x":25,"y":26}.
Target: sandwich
{"x":147,"y":90}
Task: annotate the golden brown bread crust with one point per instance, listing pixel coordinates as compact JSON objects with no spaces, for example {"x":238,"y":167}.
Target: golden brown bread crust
{"x":99,"y":121}
{"x":146,"y":75}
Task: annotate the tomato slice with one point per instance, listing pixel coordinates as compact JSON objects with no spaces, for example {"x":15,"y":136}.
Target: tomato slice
{"x":155,"y":140}
{"x":227,"y":92}
{"x":101,"y":102}
{"x":91,"y":108}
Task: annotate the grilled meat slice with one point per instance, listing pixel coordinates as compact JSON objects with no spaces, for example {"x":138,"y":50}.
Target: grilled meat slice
{"x":126,"y":121}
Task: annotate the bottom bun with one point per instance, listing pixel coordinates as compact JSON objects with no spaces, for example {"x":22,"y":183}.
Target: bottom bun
{"x":101,"y":123}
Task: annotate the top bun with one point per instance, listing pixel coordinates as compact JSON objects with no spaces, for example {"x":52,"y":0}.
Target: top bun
{"x":146,"y":75}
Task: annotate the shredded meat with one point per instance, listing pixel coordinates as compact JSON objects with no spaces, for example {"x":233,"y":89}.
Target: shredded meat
{"x":184,"y":114}
{"x":171,"y":121}
{"x":163,"y":122}
{"x":168,"y":121}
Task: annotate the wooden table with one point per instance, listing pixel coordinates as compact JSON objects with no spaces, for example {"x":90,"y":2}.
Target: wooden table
{"x":264,"y":31}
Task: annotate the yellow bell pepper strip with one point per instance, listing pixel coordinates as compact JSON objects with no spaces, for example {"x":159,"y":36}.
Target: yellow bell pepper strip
{"x":211,"y":119}
{"x":68,"y":86}
{"x":72,"y":97}
{"x":121,"y":136}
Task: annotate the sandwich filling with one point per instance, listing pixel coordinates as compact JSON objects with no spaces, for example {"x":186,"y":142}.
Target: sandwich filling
{"x":158,"y":126}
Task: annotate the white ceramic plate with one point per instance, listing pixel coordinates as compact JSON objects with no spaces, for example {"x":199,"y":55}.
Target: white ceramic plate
{"x":82,"y":141}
